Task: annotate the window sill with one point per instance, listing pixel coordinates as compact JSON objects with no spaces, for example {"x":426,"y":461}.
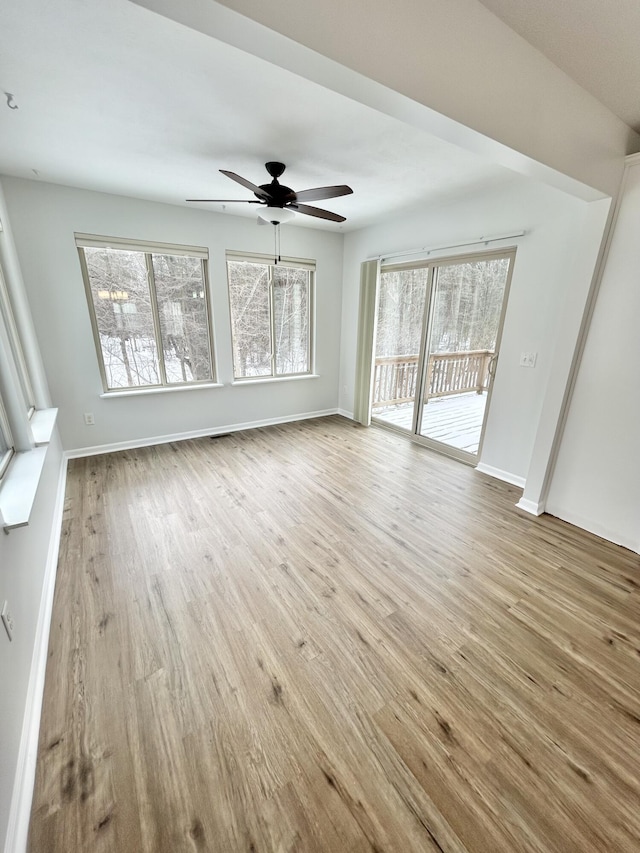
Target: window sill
{"x":42,"y":424}
{"x":259,"y":380}
{"x":138,"y":392}
{"x":20,"y":484}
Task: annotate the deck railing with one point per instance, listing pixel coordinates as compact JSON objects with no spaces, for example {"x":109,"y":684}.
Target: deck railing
{"x":447,"y":373}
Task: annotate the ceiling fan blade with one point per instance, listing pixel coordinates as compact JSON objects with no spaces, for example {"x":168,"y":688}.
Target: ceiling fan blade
{"x":245,"y":183}
{"x":316,"y":211}
{"x":323,"y":192}
{"x":228,"y":200}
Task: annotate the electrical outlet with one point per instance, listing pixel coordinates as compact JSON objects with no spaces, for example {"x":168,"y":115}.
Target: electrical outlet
{"x":88,"y":418}
{"x":528,"y":359}
{"x":7,"y":620}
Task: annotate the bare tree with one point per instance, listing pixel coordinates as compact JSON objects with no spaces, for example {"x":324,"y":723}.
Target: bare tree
{"x":265,"y":326}
{"x":291,"y":319}
{"x":129,"y":338}
{"x":467,"y":301}
{"x":401,"y":304}
{"x":183,"y":319}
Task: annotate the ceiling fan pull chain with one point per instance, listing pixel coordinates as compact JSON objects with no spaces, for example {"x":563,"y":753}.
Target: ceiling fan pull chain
{"x":276,"y":228}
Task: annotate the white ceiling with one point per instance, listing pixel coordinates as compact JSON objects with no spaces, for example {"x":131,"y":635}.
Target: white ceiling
{"x":595,"y":42}
{"x":115,"y":98}
{"x":112,"y":97}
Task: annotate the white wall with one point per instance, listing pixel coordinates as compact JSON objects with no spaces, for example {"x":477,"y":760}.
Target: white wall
{"x":580,"y":286}
{"x":596,"y":481}
{"x":553,"y":222}
{"x":44,"y":218}
{"x":25,"y":555}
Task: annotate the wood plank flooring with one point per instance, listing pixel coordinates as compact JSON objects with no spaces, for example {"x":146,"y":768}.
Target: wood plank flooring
{"x":319,"y":637}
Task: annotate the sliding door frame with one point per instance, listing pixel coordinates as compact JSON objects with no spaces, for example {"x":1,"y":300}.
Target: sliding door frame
{"x":427,"y":321}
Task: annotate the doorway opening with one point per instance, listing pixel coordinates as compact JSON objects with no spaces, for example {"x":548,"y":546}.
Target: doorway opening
{"x":438,"y":330}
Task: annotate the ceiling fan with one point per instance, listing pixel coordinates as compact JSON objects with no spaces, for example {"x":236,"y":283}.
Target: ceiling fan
{"x":280,"y":203}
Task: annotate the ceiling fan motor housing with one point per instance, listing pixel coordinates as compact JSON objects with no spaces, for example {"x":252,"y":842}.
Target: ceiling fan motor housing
{"x":279,"y":195}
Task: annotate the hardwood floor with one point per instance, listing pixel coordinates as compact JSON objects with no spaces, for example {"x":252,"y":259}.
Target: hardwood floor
{"x":319,"y":637}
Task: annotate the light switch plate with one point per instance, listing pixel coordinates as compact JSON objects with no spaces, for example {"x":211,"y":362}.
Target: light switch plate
{"x":7,"y":620}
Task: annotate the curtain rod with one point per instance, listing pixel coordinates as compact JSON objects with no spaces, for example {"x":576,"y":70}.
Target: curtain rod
{"x":428,"y":250}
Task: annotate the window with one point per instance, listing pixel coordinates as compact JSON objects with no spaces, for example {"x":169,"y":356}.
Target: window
{"x":6,"y":441}
{"x":6,"y":312}
{"x":149,"y":306}
{"x":25,"y":433}
{"x":271,"y":316}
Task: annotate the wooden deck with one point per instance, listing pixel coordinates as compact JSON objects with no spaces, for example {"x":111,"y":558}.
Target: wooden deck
{"x":456,"y":421}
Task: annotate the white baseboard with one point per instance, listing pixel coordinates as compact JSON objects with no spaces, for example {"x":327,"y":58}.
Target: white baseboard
{"x":197,"y":433}
{"x":532,"y":507}
{"x":345,"y":414}
{"x":604,"y":532}
{"x":20,"y":811}
{"x":499,"y":474}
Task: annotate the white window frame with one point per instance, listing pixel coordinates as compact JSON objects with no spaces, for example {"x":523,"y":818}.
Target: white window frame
{"x":5,"y":432}
{"x":6,"y":312}
{"x":147,"y":248}
{"x":268,"y":261}
{"x":26,"y":430}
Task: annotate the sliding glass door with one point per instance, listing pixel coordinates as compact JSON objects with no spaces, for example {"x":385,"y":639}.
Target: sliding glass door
{"x":438,"y":327}
{"x":465,"y":321}
{"x":400,"y":316}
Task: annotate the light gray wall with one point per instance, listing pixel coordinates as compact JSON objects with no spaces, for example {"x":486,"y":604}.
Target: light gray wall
{"x":23,"y":560}
{"x":553,"y":222}
{"x":44,"y":219}
{"x":596,"y":482}
{"x":24,"y":556}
